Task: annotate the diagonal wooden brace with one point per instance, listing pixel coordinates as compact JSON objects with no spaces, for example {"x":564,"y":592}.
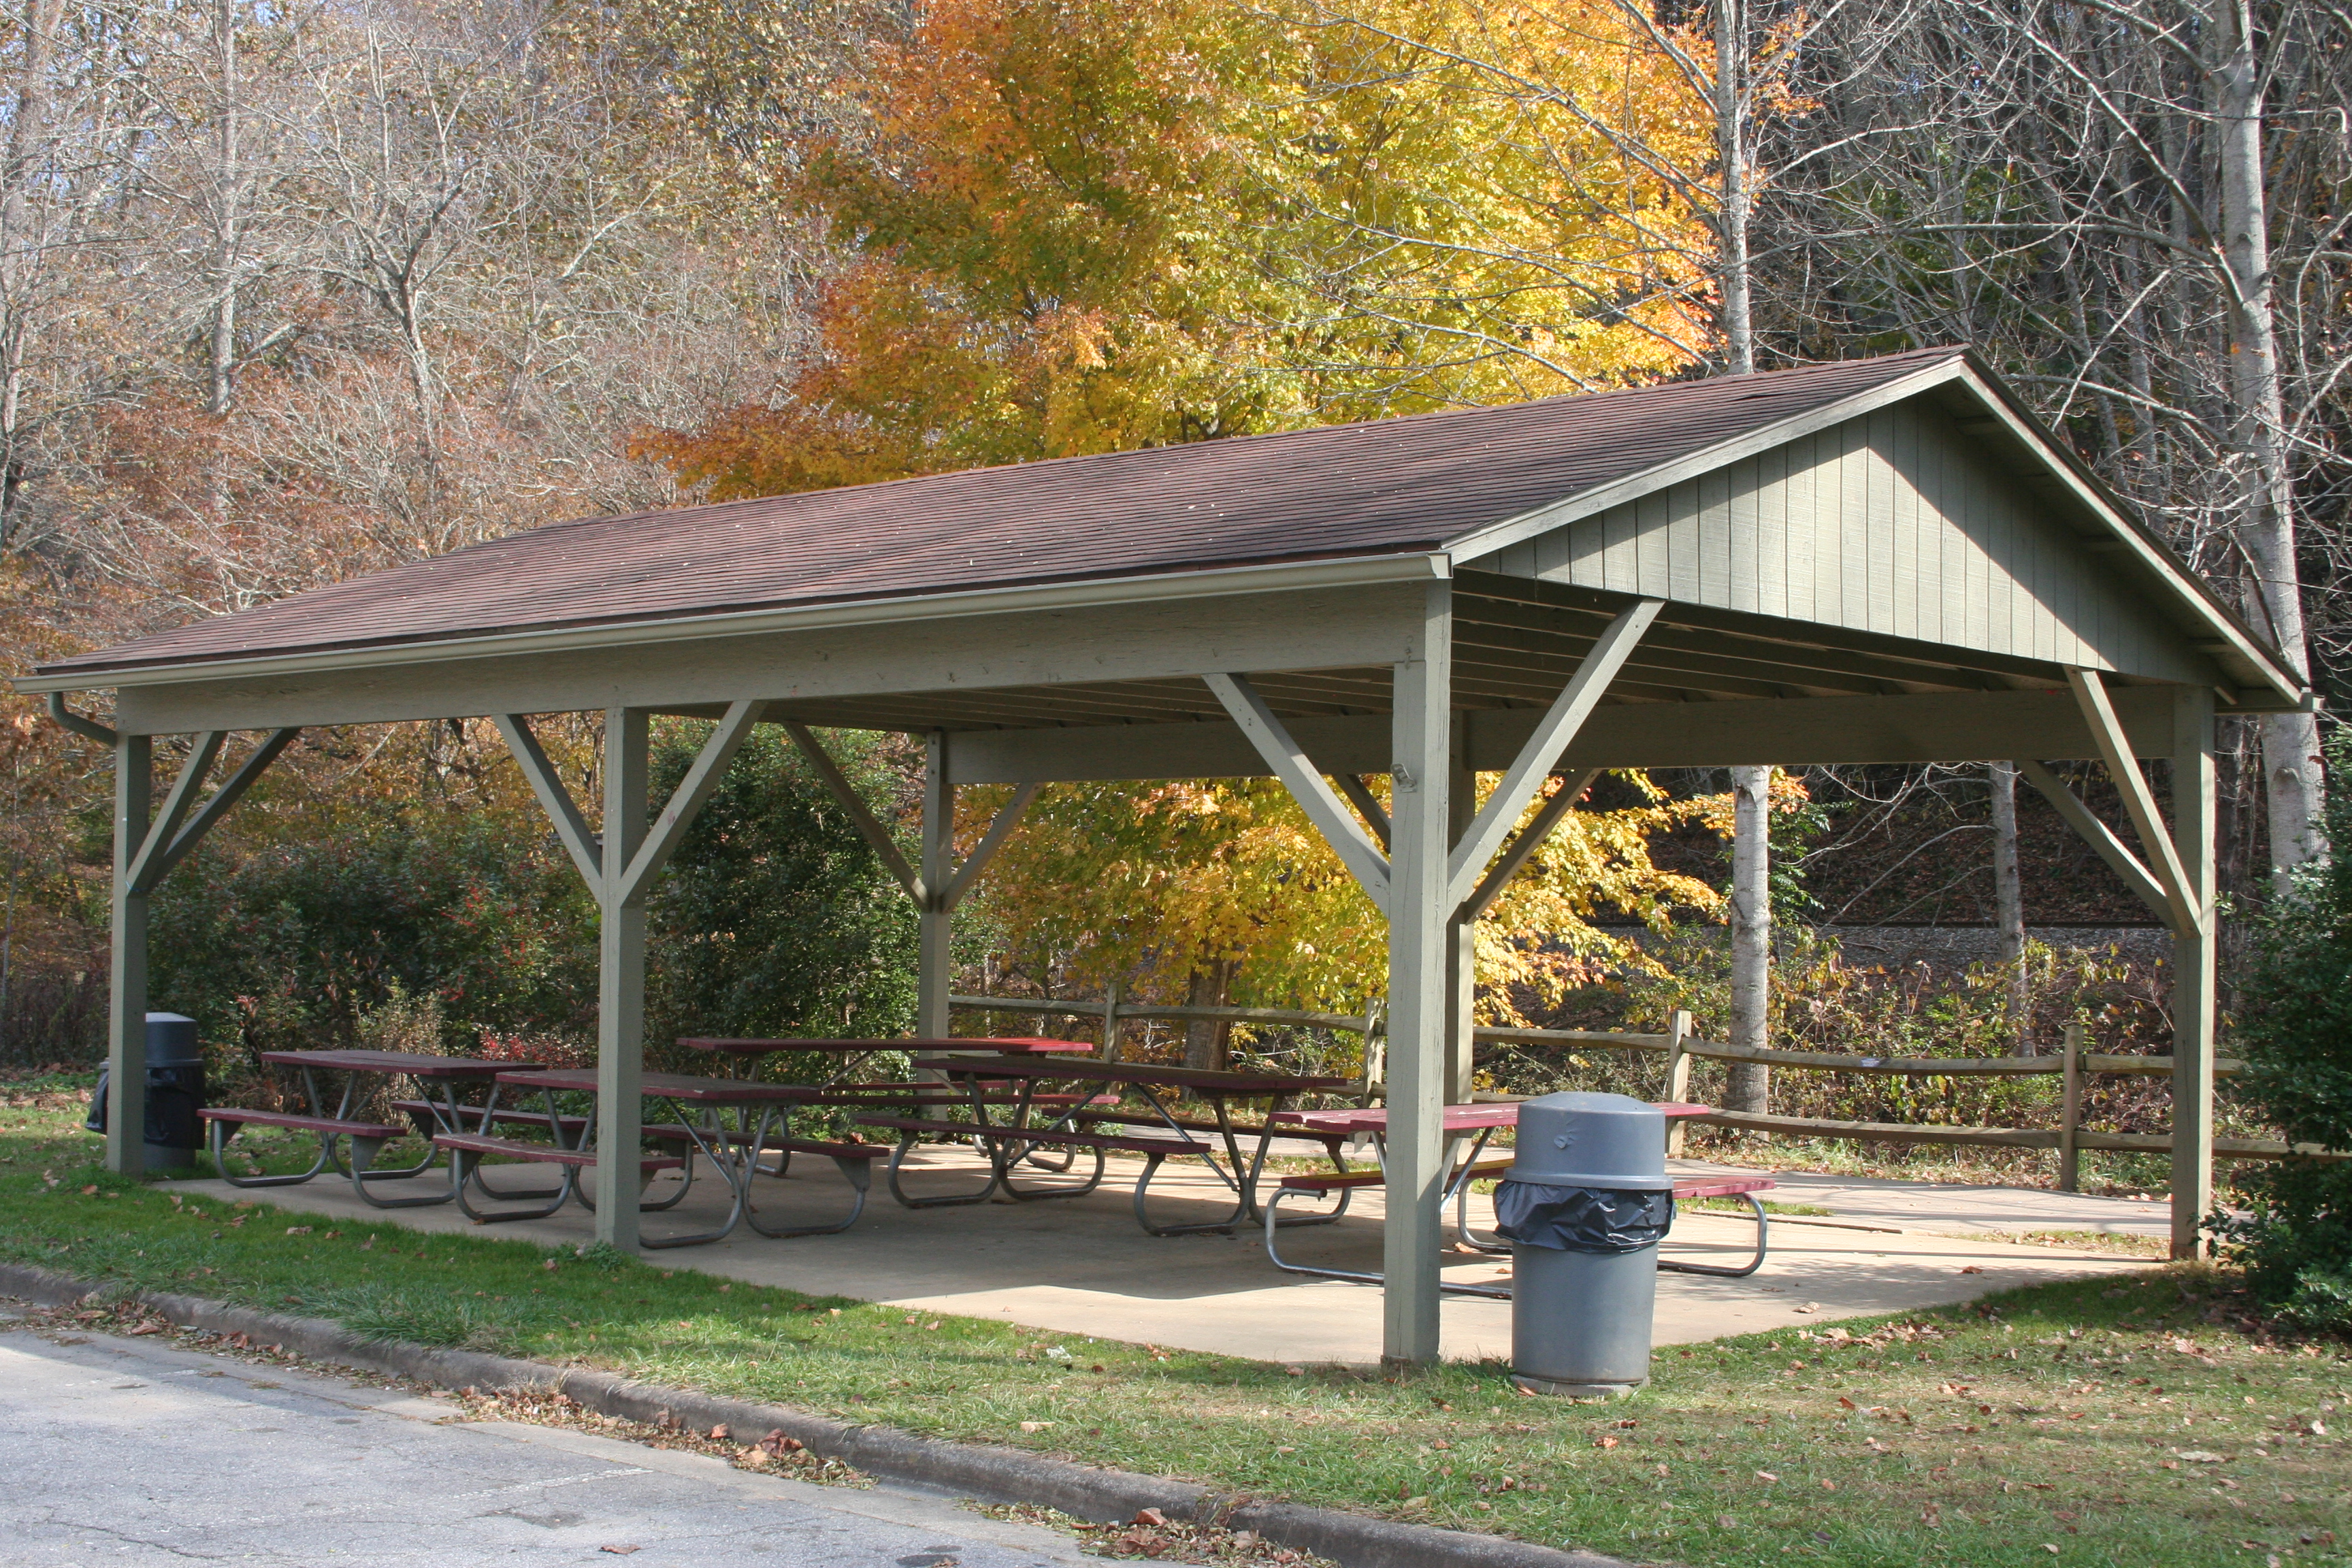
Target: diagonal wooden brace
{"x":1552,"y":737}
{"x":571,"y":827}
{"x":2185,"y":911}
{"x":1307,"y":784}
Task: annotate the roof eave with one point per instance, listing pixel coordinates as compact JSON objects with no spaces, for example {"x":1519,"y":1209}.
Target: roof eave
{"x":1093,"y":593}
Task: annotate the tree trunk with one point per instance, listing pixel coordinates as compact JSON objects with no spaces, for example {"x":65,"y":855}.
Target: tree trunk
{"x":2291,"y":764}
{"x":1205,"y":1039}
{"x":1751,"y":933}
{"x":1735,"y":316}
{"x":2008,"y":898}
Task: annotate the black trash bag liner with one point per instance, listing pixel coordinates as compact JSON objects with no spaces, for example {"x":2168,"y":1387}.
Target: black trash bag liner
{"x":1581,"y":1220}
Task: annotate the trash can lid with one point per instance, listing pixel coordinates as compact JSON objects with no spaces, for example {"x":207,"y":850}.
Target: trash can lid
{"x":1592,"y":1141}
{"x":171,"y":1039}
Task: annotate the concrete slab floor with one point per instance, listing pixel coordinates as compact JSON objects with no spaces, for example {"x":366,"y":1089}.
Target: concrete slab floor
{"x":1081,"y":1265}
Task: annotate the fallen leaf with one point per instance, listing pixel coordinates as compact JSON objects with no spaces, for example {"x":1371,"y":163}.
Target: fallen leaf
{"x":620,"y":1551}
{"x":2050,"y":1549}
{"x":1809,"y":1307}
{"x":1844,"y":1403}
{"x":1972,"y":1269}
{"x":1151,"y":1516}
{"x":719,"y":1434}
{"x":1604,"y":1442}
{"x":1035,"y":1425}
{"x":2202,"y":1456}
{"x":1766,"y":1476}
{"x":1828,"y":1485}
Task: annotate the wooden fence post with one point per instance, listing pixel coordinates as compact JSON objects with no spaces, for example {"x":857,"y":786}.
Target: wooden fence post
{"x":2070,"y":1114}
{"x":1678,"y":1066}
{"x":1110,"y":1043}
{"x":1373,"y":1064}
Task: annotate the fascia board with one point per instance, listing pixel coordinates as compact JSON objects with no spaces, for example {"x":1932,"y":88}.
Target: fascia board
{"x":1346,"y":571}
{"x":1498,"y":536}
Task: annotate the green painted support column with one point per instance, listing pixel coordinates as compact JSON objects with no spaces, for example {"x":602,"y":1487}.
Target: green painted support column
{"x":1461,"y":943}
{"x":126,"y":981}
{"x":621,"y":979}
{"x":2194,"y":952}
{"x":1420,"y":992}
{"x":935,"y":918}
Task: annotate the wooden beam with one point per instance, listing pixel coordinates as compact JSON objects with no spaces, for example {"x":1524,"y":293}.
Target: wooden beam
{"x":1553,"y":733}
{"x":126,"y":976}
{"x":145,"y":866}
{"x":1420,"y":999}
{"x":859,"y":814}
{"x":1359,"y":795}
{"x":1530,"y":838}
{"x":687,"y":801}
{"x":571,"y":827}
{"x":1958,"y":726}
{"x":1000,"y":828}
{"x":621,"y":981}
{"x":2100,"y":836}
{"x":1306,"y":782}
{"x":2187,"y":912}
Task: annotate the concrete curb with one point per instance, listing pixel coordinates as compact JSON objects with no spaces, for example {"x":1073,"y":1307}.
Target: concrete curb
{"x":966,"y":1469}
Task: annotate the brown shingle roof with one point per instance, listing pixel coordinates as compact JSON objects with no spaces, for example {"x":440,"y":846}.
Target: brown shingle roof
{"x":1388,"y":486}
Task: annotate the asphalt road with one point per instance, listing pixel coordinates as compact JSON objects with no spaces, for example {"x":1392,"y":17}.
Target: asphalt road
{"x":122,"y":1452}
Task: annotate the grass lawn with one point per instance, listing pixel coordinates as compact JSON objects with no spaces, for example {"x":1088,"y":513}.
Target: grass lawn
{"x":2133,"y":1423}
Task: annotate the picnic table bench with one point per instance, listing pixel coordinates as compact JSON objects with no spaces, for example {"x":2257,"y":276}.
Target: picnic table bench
{"x":1322,"y":1183}
{"x":1016,"y":1139}
{"x":1481,"y":1121}
{"x":449,"y":1075}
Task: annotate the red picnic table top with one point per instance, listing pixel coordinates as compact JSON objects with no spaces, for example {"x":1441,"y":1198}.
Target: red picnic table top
{"x":1206,"y":1081}
{"x":1455,"y":1118}
{"x":666,"y":1086}
{"x":413,"y":1064}
{"x":1006,"y":1045}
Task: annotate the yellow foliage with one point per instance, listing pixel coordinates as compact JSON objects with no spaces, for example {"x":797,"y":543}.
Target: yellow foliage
{"x":1149,"y":885}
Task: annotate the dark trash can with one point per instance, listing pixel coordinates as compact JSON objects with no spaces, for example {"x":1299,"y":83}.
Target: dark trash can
{"x":176,"y":1092}
{"x":1584,"y":1207}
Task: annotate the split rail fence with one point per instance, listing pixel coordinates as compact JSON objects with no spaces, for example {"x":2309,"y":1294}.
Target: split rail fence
{"x":2069,"y":1138}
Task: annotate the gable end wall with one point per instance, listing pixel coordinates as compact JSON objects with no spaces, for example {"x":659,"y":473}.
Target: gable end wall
{"x":1895,"y":523}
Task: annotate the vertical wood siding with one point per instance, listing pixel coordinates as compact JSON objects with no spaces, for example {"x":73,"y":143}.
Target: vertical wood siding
{"x":1894,"y":522}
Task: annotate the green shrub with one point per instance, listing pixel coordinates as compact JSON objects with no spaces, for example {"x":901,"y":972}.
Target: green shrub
{"x":2294,"y":1030}
{"x":777,"y":918}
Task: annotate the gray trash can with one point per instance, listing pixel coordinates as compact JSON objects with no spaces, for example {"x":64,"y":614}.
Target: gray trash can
{"x":1584,"y":1207}
{"x":176,"y":1092}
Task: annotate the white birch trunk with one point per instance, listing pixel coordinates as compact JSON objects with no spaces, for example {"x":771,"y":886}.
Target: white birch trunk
{"x":2291,"y":766}
{"x":1751,"y":933}
{"x":2009,"y":898}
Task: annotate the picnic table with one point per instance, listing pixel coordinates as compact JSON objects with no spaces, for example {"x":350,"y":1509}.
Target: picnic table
{"x":744,"y":1055}
{"x":1031,"y":1123}
{"x":1479,"y":1121}
{"x":699,"y":1125}
{"x":447,"y":1076}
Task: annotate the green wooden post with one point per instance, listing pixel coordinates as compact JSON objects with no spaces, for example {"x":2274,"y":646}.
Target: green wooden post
{"x":621,"y":980}
{"x":934,"y":918}
{"x":2193,"y":963}
{"x":1419,"y":998}
{"x":126,"y":980}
